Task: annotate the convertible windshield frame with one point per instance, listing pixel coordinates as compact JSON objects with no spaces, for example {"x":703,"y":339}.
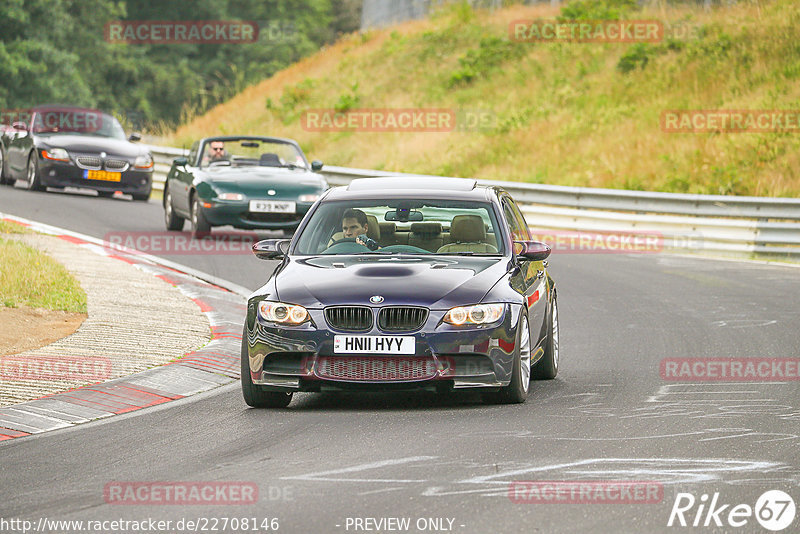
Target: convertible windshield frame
{"x":324,"y":223}
{"x":299,"y":160}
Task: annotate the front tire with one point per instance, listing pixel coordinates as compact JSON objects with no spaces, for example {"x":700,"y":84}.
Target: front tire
{"x":255,"y":395}
{"x":34,"y":178}
{"x":172,"y":220}
{"x":3,"y":179}
{"x":516,"y":392}
{"x":141,"y":197}
{"x":547,"y":367}
{"x":200,"y":226}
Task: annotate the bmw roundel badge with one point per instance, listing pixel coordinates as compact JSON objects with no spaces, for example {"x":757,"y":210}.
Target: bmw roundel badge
{"x":376,"y":299}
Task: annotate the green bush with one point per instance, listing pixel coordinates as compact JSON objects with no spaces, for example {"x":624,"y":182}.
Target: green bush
{"x":348,"y":101}
{"x":597,"y":9}
{"x":637,"y":56}
{"x":490,"y":54}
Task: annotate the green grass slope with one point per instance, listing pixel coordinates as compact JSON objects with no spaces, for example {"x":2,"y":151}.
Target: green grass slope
{"x":583,"y":114}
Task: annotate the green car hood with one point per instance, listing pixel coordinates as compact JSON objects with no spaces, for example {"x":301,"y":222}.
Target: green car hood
{"x":255,"y":182}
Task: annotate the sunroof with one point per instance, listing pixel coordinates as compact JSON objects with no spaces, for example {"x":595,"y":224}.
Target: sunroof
{"x":413,"y":182}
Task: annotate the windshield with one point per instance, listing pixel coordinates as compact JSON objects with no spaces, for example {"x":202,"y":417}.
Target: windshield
{"x":442,"y":227}
{"x":77,"y":121}
{"x":251,"y":152}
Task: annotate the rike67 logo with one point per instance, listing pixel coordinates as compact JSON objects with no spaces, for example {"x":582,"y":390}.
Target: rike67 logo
{"x":774,"y":510}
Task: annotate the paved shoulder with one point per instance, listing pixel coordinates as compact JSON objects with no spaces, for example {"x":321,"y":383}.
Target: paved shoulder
{"x":141,"y":315}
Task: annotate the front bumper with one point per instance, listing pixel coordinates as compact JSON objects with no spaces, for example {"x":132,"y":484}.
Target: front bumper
{"x":238,"y":215}
{"x":302,"y":358}
{"x":57,"y":174}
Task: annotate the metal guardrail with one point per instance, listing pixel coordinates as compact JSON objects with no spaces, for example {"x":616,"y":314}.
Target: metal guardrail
{"x":733,"y":224}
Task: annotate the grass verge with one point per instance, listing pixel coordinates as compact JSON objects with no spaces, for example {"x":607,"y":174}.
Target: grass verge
{"x":31,"y":278}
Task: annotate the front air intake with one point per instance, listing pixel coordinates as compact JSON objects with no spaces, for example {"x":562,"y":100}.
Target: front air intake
{"x":349,"y":318}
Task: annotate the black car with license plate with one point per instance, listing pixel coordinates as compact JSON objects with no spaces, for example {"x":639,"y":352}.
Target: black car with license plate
{"x":441,"y":288}
{"x":63,"y":146}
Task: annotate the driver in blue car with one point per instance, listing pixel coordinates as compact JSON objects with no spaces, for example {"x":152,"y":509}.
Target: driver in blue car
{"x":355,"y":226}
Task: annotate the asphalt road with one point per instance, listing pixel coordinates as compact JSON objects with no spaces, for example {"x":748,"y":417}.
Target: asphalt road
{"x":329,"y":462}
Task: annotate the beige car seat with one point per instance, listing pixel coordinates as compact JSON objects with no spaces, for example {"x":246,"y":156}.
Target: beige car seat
{"x":468,"y":234}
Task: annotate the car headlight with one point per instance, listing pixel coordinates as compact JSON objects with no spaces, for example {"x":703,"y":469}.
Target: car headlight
{"x":56,"y":154}
{"x":280,"y":312}
{"x":231,"y":196}
{"x":477,"y":314}
{"x":308,"y":198}
{"x":144,"y":162}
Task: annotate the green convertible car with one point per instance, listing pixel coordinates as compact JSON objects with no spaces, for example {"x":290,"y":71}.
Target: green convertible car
{"x":252,"y":183}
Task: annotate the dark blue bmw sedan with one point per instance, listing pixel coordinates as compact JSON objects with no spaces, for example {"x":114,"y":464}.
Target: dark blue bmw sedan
{"x":396,"y":283}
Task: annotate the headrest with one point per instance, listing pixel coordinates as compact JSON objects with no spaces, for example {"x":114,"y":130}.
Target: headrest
{"x":388,"y":229}
{"x":373,"y":228}
{"x":269,"y":159}
{"x":432,"y":229}
{"x":467,"y":229}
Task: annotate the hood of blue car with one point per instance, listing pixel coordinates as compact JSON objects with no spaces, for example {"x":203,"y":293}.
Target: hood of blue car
{"x":437,"y":283}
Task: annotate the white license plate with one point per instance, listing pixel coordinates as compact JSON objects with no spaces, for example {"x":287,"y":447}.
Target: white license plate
{"x":373,"y":344}
{"x":272,"y":206}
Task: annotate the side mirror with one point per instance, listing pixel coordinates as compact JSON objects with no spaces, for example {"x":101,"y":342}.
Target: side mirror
{"x":271,"y":249}
{"x":532,"y":250}
{"x":180,"y":162}
{"x":20,"y":126}
{"x":316,"y":165}
{"x":134,"y":137}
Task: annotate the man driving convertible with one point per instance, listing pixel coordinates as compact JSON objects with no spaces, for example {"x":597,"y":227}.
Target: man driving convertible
{"x":216,"y":152}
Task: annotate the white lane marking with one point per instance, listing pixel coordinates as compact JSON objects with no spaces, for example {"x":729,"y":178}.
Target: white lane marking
{"x":673,"y":393}
{"x":744,"y":323}
{"x":666,"y":470}
{"x":383,"y":490}
{"x":684,"y":469}
{"x":323,"y":475}
{"x":744,"y":432}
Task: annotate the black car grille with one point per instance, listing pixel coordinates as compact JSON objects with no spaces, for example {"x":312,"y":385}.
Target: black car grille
{"x":349,"y":318}
{"x":401,"y":318}
{"x":119,"y":165}
{"x":89,"y":162}
{"x":375,"y":369}
{"x":273,"y":217}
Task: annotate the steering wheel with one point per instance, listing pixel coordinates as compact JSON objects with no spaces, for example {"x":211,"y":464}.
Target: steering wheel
{"x":343,"y":240}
